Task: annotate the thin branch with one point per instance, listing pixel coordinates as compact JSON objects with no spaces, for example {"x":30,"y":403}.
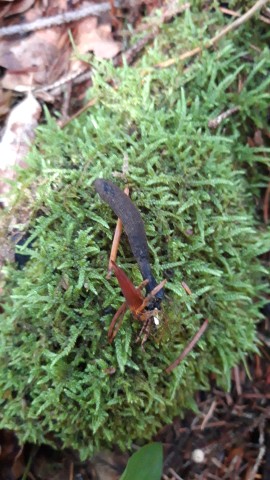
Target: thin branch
{"x":262,"y":449}
{"x":129,"y":56}
{"x":186,"y":288}
{"x":175,"y":475}
{"x":89,"y":104}
{"x":119,"y":225}
{"x":238,"y":385}
{"x":209,"y":414}
{"x":184,"y":56}
{"x":239,"y":21}
{"x":189,"y":347}
{"x":215,"y":122}
{"x":60,"y":19}
{"x":227,"y":11}
{"x":132,"y":53}
{"x":264,"y":19}
{"x":116,"y":241}
{"x":76,"y":77}
{"x":71,"y":471}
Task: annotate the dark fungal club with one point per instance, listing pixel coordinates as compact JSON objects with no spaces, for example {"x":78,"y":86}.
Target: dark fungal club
{"x":133,"y":224}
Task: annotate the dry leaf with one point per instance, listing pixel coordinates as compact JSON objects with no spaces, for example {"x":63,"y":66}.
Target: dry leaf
{"x":91,"y":37}
{"x":34,"y":61}
{"x":18,"y":135}
{"x":18,"y":6}
{"x":43,"y":57}
{"x":5,"y":100}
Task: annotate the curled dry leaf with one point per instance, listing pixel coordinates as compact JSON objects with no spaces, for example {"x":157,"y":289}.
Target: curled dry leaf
{"x":18,"y":135}
{"x":43,"y":57}
{"x":5,"y":100}
{"x":4,"y":8}
{"x":91,"y":37}
{"x":14,"y":7}
{"x":37,"y":60}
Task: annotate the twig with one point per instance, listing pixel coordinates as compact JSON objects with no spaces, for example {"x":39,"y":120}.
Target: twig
{"x":64,"y":123}
{"x":215,"y":122}
{"x":237,"y":380}
{"x":217,"y":424}
{"x":60,"y":19}
{"x":189,"y":347}
{"x":129,"y":56}
{"x":227,"y":11}
{"x":264,"y":19}
{"x":77,"y":77}
{"x":209,"y":414}
{"x":257,"y":396}
{"x":175,"y":475}
{"x":169,"y":11}
{"x":66,"y":102}
{"x":211,"y":476}
{"x":86,"y":74}
{"x":132,"y":53}
{"x":186,"y":288}
{"x":119,"y":225}
{"x":264,"y":338}
{"x":239,"y":21}
{"x":71,"y":471}
{"x":184,"y":56}
{"x":116,"y":241}
{"x":261,"y":453}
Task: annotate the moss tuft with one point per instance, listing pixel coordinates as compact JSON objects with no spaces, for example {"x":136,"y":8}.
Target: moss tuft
{"x":196,"y":190}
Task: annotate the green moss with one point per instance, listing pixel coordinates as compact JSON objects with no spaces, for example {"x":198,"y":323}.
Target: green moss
{"x":196,"y":189}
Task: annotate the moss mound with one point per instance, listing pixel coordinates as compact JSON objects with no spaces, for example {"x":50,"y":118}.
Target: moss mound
{"x":195,"y":188}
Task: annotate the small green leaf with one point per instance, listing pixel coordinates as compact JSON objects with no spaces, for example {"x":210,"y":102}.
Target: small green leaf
{"x":146,"y":464}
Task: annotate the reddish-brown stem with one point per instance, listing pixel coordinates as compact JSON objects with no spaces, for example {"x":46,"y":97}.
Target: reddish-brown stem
{"x":114,"y":326}
{"x":150,"y":296}
{"x":186,"y":288}
{"x":189,"y":347}
{"x":116,"y":241}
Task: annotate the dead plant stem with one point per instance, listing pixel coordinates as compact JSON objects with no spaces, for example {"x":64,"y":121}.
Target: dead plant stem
{"x":189,"y":347}
{"x":239,"y":21}
{"x":60,"y":19}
